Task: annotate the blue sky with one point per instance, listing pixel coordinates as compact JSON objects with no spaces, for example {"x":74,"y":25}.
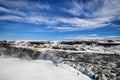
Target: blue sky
{"x":59,"y":19}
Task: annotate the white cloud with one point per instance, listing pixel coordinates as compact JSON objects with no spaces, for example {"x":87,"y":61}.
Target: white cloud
{"x":109,"y":11}
{"x":72,"y":24}
{"x":40,"y":20}
{"x":11,"y":18}
{"x":93,"y":36}
{"x":83,"y":37}
{"x":100,"y":18}
{"x":99,"y":8}
{"x":24,"y":4}
{"x":75,"y":9}
{"x":114,"y":37}
{"x":2,"y":9}
{"x":111,"y":8}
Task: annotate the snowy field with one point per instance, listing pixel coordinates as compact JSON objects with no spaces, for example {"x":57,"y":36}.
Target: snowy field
{"x":17,"y":69}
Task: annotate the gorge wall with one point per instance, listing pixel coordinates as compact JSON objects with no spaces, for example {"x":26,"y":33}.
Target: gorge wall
{"x":100,"y":60}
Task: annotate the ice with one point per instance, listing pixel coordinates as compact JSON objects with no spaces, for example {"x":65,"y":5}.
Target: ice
{"x":48,"y":56}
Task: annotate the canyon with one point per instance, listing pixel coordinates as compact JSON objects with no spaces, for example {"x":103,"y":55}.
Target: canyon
{"x":98,"y":59}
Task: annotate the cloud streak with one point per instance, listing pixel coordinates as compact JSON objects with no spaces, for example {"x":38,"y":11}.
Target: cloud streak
{"x":93,"y":36}
{"x":25,"y":4}
{"x":97,"y":13}
{"x":5,"y":10}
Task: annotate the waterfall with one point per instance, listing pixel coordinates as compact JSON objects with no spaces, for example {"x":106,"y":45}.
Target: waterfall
{"x":24,"y":55}
{"x":49,"y":56}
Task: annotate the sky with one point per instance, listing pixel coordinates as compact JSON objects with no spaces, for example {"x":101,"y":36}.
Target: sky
{"x":59,"y":19}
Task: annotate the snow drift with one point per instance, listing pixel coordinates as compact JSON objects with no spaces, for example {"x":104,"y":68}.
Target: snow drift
{"x":17,"y":69}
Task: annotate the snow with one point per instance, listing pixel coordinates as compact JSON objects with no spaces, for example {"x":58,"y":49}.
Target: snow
{"x":17,"y":69}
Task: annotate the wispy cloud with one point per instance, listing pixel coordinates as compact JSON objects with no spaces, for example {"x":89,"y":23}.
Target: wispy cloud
{"x":73,"y":24}
{"x":11,"y":18}
{"x":5,"y":10}
{"x":97,"y":13}
{"x":95,"y":8}
{"x":113,"y":37}
{"x":93,"y":36}
{"x":25,"y":4}
{"x":22,"y":8}
{"x":75,"y":9}
{"x":68,"y":24}
{"x":110,"y":9}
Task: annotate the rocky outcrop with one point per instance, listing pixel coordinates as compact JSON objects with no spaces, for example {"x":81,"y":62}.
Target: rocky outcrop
{"x":96,"y":66}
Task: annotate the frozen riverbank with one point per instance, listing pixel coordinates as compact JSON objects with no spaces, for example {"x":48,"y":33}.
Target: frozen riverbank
{"x":17,"y":69}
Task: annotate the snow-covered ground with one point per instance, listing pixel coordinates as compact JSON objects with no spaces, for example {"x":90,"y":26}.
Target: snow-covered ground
{"x":17,"y":69}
